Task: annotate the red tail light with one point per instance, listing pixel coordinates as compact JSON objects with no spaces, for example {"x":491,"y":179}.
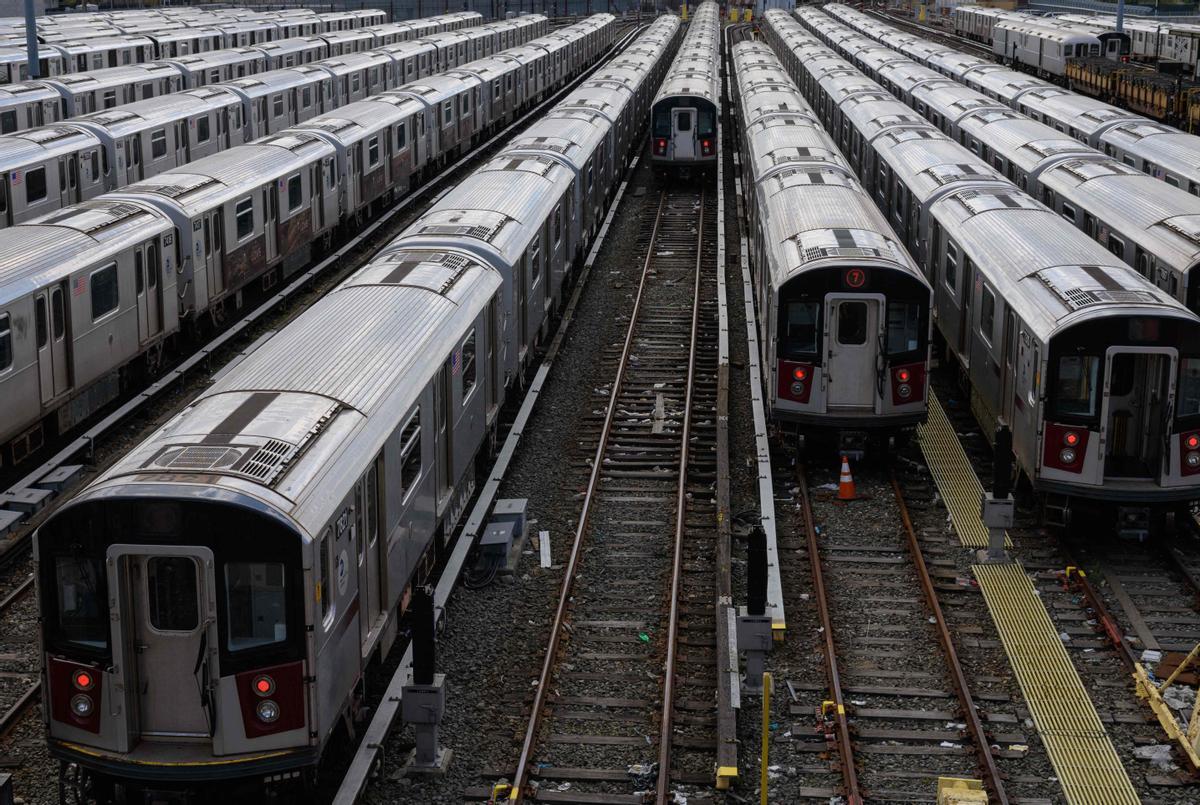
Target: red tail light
{"x":84,"y":680}
{"x":800,"y":373}
{"x":660,"y":146}
{"x":706,"y":147}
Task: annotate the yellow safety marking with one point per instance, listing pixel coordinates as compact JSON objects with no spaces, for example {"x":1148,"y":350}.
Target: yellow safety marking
{"x":954,"y":476}
{"x":1148,"y":689}
{"x":1077,"y":744}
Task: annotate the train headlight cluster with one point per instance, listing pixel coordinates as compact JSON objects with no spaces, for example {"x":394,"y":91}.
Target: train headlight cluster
{"x":267,"y":711}
{"x":81,"y":705}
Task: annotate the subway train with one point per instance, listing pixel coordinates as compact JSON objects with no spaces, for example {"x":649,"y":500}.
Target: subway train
{"x":1161,"y":151}
{"x":843,"y":309}
{"x":78,"y":46}
{"x":1094,"y":371}
{"x":50,"y":167}
{"x":683,"y":131}
{"x":180,"y":656}
{"x":1152,"y":227}
{"x":90,"y":295}
{"x":34,"y":103}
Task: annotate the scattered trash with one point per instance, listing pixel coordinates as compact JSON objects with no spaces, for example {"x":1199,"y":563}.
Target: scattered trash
{"x":643,"y":774}
{"x":858,"y":702}
{"x":1151,"y":657}
{"x":1159,"y":756}
{"x":645,"y":638}
{"x":1018,"y":748}
{"x":678,"y":798}
{"x":563,"y":787}
{"x":1063,"y":636}
{"x":950,"y":745}
{"x":1181,"y":699}
{"x":828,"y":487}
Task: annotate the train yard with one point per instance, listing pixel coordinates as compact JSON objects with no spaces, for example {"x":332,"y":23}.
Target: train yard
{"x":495,"y":429}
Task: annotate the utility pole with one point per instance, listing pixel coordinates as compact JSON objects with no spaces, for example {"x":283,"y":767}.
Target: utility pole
{"x":31,"y":43}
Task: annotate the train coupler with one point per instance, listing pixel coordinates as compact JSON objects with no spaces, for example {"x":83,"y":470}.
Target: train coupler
{"x":852,"y":444}
{"x":1133,"y":523}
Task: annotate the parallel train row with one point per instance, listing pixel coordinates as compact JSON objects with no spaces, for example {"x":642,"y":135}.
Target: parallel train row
{"x":1161,"y":151}
{"x":1153,"y":227}
{"x":1093,"y":370}
{"x":686,"y":109}
{"x":46,"y":168}
{"x":73,"y":44}
{"x":1169,"y":93}
{"x":89,"y":290}
{"x":844,"y":322}
{"x":36,"y":103}
{"x":346,"y":445}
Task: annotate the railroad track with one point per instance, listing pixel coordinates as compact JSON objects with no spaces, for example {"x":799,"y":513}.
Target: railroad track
{"x":20,"y":685}
{"x":891,"y":701}
{"x":935,"y":33}
{"x":625,"y":700}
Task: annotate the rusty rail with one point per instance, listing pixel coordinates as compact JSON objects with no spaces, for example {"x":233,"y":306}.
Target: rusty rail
{"x":983,"y":747}
{"x":842,"y":726}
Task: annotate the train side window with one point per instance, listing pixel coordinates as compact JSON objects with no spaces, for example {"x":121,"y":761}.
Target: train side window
{"x":1116,"y":246}
{"x":8,"y":122}
{"x":468,"y":366}
{"x":558,"y":225}
{"x":373,"y":151}
{"x":277,"y":105}
{"x":410,"y":454}
{"x":35,"y":185}
{"x":1187,"y":401}
{"x":244,"y":213}
{"x":1068,"y":212}
{"x":324,"y":593}
{"x":447,"y":113}
{"x":903,"y":327}
{"x":6,"y":354}
{"x":1171,"y":180}
{"x":172,"y":596}
{"x":82,"y":616}
{"x":401,"y":136}
{"x":158,"y":144}
{"x":105,"y":294}
{"x":256,"y":604}
{"x":535,"y":258}
{"x":987,"y":314}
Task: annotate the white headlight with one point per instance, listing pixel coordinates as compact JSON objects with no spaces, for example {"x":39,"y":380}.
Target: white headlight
{"x":81,"y":705}
{"x":267,"y":711}
{"x":1067,"y":456}
{"x":1193,"y":459}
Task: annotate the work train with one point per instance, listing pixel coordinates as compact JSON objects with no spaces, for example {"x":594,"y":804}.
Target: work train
{"x":844,"y":311}
{"x":683,"y":130}
{"x":1155,"y":229}
{"x":1153,"y":148}
{"x":83,"y":45}
{"x":41,"y":102}
{"x":346,"y":444}
{"x":44,"y":169}
{"x":1038,"y":43}
{"x":1094,"y":371}
{"x":92,"y":294}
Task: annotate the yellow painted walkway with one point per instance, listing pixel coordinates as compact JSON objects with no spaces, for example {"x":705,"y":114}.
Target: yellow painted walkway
{"x":1084,"y":760}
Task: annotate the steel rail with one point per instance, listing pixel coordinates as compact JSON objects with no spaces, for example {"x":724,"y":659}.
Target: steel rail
{"x":983,"y":746}
{"x":845,"y":745}
{"x":11,"y":716}
{"x":668,"y":699}
{"x":16,"y":594}
{"x":517,"y":791}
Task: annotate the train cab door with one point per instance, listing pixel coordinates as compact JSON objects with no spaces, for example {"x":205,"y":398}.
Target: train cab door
{"x":1139,"y":383}
{"x":50,"y":324}
{"x":852,"y":343}
{"x":371,"y":565}
{"x":683,"y":133}
{"x":165,"y":633}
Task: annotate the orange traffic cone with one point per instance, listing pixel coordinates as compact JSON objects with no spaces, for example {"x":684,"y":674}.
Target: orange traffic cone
{"x":846,"y":482}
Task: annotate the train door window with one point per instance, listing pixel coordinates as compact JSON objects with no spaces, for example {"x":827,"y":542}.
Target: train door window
{"x":558,"y":225}
{"x":496,"y":90}
{"x":277,"y":105}
{"x":468,"y":366}
{"x":256,"y":604}
{"x":321,"y":583}
{"x":35,"y":185}
{"x":987,"y":314}
{"x":447,"y":113}
{"x":94,"y":160}
{"x":360,"y":521}
{"x":172,"y":593}
{"x":306,"y":97}
{"x":1077,"y":385}
{"x":410,"y":454}
{"x":535,"y":258}
{"x":295,"y":193}
{"x":373,"y":151}
{"x":244,"y":213}
{"x":852,"y":323}
{"x":105,"y":296}
{"x":138,"y":273}
{"x":58,"y":318}
{"x":202,"y":129}
{"x":951,"y":266}
{"x":39,"y":318}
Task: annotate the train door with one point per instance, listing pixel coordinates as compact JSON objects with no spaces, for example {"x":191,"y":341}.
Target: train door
{"x":51,"y":325}
{"x":270,"y":220}
{"x":370,"y":563}
{"x":148,"y":292}
{"x":1009,"y":368}
{"x":1139,"y":382}
{"x":852,"y":338}
{"x":164,"y":632}
{"x":212,"y":253}
{"x":493,"y":356}
{"x":683,"y":133}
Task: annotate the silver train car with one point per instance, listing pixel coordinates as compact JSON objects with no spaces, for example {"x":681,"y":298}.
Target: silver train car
{"x":1151,"y":40}
{"x":844,"y":311}
{"x":1152,"y":227}
{"x":1093,"y":370}
{"x":347,"y":444}
{"x":1161,"y":151}
{"x":683,"y":119}
{"x":237,"y":222}
{"x":1043,"y":46}
{"x":104,"y":151}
